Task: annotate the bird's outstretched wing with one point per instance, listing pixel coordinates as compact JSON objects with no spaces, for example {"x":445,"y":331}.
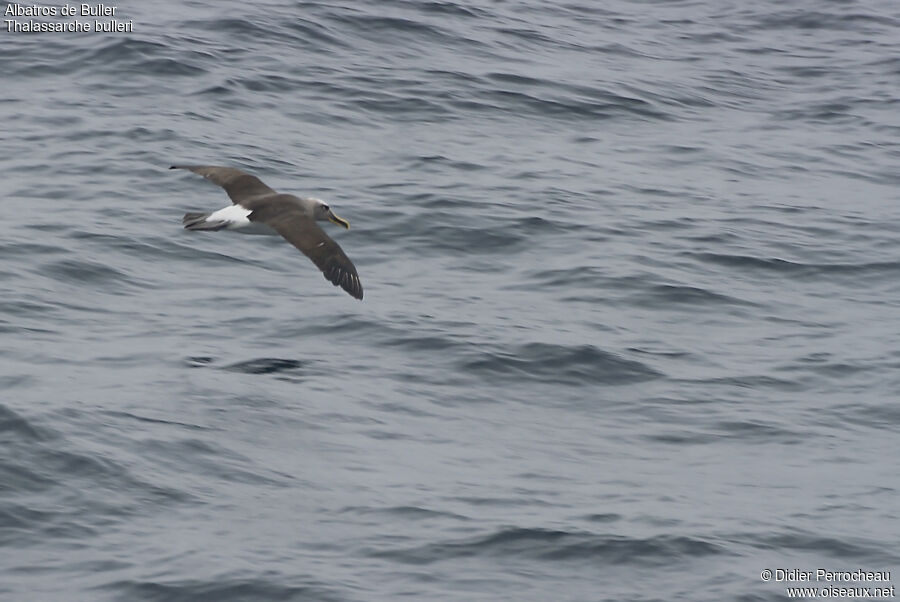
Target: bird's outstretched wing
{"x":238,"y":184}
{"x":306,"y":235}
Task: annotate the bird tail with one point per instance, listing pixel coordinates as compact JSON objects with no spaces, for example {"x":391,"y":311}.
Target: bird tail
{"x":197,"y":221}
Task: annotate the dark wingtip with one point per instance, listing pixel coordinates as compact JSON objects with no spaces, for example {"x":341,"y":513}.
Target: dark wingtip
{"x":357,"y":290}
{"x":173,"y":167}
{"x":347,"y":281}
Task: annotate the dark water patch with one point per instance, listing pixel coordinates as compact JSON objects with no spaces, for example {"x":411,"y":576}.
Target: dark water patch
{"x":515,"y":78}
{"x":125,"y":360}
{"x":451,"y":9}
{"x":7,"y":327}
{"x":580,"y":93}
{"x":141,"y":134}
{"x":125,"y":47}
{"x":21,"y":525}
{"x":29,"y":249}
{"x":466,"y":240}
{"x":266,"y":82}
{"x":568,"y":108}
{"x":168,"y":67}
{"x":834,"y":369}
{"x":823,"y":114}
{"x":609,"y":517}
{"x":744,"y":430}
{"x":679,"y":97}
{"x":23,"y":308}
{"x":424,"y":343}
{"x":85,"y":272}
{"x":718,"y":238}
{"x":81,"y":464}
{"x":533,"y":39}
{"x":189,"y":250}
{"x":660,"y":353}
{"x":666,"y":295}
{"x":238,"y":29}
{"x":804,"y":19}
{"x":455,"y":78}
{"x":148,"y":58}
{"x":24,"y":479}
{"x":540,"y":226}
{"x":222,"y":90}
{"x":50,"y":463}
{"x":758,"y":382}
{"x":574,"y":365}
{"x":520,"y":501}
{"x":10,"y":382}
{"x":560,"y":546}
{"x":405,"y":512}
{"x":682,"y":438}
{"x":147,"y":249}
{"x":755,"y":430}
{"x":439,"y":205}
{"x":667,"y":401}
{"x":160,"y":421}
{"x":67,"y":530}
{"x":376,"y":27}
{"x":227,"y":589}
{"x":208,"y":459}
{"x":14,"y":426}
{"x":343,"y":325}
{"x":265,"y":365}
{"x":439,"y":163}
{"x":316,"y":34}
{"x":800,"y":269}
{"x":541,"y":476}
{"x":382,"y":435}
{"x":804,"y":541}
{"x":403,"y":107}
{"x":582,"y":277}
{"x":879,"y":416}
{"x":402,"y":408}
{"x":20,"y":518}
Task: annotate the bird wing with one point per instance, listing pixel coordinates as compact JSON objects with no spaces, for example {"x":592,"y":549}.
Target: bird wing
{"x":306,"y":235}
{"x":238,"y":184}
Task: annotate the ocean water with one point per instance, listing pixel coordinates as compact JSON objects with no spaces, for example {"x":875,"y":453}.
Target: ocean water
{"x":631,"y":328}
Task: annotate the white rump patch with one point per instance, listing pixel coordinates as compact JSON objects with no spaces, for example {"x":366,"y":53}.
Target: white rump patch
{"x":235,"y":218}
{"x":234,"y":215}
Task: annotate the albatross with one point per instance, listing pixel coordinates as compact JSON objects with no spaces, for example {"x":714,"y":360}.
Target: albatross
{"x":258,"y":209}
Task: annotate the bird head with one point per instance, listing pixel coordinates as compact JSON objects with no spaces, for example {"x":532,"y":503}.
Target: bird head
{"x":323,"y":212}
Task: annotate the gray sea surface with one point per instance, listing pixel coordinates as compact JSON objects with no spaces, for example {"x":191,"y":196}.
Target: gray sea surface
{"x":631,"y":327}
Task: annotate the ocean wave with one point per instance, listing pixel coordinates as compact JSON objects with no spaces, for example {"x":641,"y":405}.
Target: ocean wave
{"x":560,"y":546}
{"x":574,"y":365}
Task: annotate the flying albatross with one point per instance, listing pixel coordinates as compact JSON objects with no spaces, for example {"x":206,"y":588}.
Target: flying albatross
{"x":258,"y":209}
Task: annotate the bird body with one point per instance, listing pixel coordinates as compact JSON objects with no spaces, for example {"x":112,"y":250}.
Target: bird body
{"x":258,"y":209}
